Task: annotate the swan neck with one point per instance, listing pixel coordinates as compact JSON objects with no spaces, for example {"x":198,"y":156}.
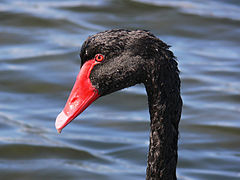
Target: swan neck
{"x":163,"y":89}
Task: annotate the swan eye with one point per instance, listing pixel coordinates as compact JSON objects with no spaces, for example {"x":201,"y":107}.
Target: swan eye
{"x":99,"y":57}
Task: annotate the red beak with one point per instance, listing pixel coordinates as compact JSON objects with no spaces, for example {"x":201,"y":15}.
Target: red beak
{"x":82,"y":95}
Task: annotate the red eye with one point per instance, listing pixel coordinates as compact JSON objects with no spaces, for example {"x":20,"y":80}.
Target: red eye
{"x":99,"y":57}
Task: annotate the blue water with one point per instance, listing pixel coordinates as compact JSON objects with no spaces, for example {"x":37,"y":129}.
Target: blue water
{"x":39,"y":60}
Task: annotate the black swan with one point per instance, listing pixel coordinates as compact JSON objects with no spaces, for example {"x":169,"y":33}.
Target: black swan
{"x":116,"y":59}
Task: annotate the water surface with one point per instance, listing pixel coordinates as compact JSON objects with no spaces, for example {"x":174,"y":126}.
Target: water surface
{"x":39,"y":60}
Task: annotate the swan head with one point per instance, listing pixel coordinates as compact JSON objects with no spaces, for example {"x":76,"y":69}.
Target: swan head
{"x":110,"y":61}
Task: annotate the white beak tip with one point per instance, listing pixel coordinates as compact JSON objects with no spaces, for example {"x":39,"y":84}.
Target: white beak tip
{"x":59,"y":131}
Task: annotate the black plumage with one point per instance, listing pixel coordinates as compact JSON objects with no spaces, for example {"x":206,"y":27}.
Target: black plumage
{"x":133,"y":57}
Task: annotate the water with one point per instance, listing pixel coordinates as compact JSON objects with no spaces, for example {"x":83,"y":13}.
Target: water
{"x":39,"y":60}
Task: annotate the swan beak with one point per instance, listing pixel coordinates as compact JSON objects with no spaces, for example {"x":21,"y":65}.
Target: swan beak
{"x":81,"y":96}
